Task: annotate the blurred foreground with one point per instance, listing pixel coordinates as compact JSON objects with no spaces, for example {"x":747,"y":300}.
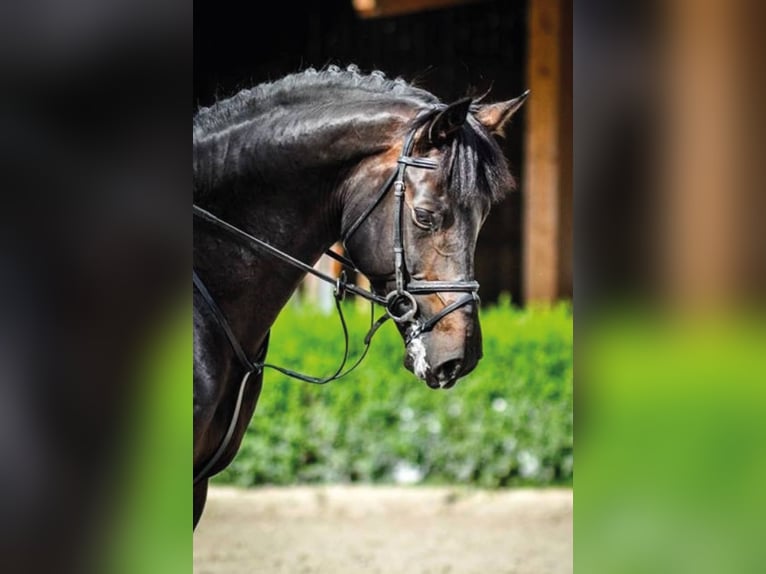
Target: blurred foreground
{"x":672,"y":444}
{"x":343,"y":530}
{"x":671,"y":276}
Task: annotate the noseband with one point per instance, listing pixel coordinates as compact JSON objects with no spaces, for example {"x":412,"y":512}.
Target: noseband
{"x":400,"y":304}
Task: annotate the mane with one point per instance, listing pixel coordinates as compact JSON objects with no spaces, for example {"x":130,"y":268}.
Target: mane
{"x":350,"y":84}
{"x":477,"y":166}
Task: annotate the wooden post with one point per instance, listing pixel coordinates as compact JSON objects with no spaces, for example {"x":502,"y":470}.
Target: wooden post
{"x":318,"y":292}
{"x":543,"y":146}
{"x":700,"y":231}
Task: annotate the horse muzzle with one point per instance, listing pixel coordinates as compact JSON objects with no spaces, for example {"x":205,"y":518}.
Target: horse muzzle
{"x":441,"y":357}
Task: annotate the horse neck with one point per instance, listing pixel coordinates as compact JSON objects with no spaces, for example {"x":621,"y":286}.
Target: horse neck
{"x":287,"y":194}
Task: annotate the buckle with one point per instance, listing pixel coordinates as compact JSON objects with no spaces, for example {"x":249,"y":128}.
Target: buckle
{"x":401,"y":306}
{"x":340,"y":286}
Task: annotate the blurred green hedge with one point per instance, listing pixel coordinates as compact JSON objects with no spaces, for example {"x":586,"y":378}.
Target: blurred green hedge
{"x":507,"y":423}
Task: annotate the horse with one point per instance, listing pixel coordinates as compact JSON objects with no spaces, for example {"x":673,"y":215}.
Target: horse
{"x":283,"y":171}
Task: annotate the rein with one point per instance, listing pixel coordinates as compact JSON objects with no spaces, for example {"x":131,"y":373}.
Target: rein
{"x":341,"y":285}
{"x":400,"y":304}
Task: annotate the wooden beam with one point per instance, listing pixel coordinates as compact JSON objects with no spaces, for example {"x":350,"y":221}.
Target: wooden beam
{"x":542,"y":170}
{"x":382,"y":8}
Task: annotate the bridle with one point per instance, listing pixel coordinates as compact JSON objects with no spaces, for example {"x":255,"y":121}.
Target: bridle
{"x":400,"y":304}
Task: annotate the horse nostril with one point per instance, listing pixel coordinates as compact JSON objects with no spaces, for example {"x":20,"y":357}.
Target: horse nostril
{"x":449,"y":370}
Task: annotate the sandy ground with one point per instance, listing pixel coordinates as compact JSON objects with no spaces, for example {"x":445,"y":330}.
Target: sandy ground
{"x":382,"y":530}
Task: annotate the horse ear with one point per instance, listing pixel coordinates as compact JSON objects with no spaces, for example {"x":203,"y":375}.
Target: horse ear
{"x":448,"y":121}
{"x":495,"y":117}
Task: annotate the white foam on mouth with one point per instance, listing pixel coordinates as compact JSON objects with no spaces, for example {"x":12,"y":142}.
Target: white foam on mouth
{"x":417,"y":350}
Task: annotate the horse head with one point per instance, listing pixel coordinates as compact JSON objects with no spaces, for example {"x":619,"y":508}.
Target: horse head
{"x":449,"y":170}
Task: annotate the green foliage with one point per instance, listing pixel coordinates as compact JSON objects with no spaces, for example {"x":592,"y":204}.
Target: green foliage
{"x":509,"y":422}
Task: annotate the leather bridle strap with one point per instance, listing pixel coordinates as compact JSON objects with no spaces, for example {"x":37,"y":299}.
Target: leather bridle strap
{"x":345,"y":261}
{"x":203,"y":473}
{"x":398,"y":235}
{"x":442,"y":286}
{"x":250,"y":369}
{"x":428,"y":325}
{"x":396,"y":175}
{"x":340,"y":283}
{"x":258,"y":367}
{"x":370,"y":208}
{"x":224,"y":324}
{"x":339,"y":372}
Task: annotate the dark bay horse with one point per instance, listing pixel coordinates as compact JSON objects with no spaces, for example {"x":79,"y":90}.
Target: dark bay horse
{"x":403,"y":179}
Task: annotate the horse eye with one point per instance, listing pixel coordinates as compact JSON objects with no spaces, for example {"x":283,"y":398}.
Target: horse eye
{"x":424,"y":218}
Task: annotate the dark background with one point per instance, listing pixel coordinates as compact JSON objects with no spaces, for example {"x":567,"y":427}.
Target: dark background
{"x":450,"y":52}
